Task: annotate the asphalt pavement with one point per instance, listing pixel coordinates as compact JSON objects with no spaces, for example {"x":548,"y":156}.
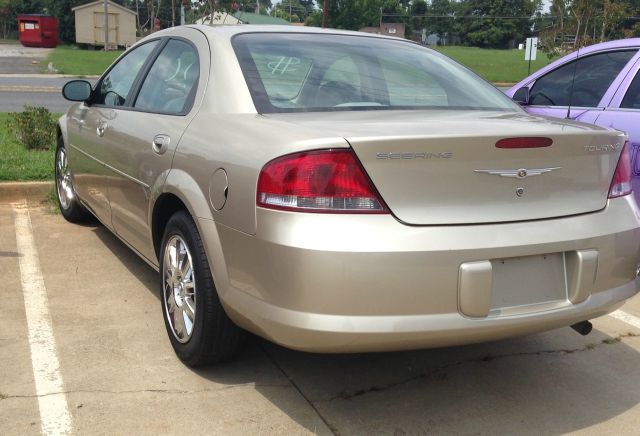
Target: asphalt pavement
{"x":17,"y":90}
{"x":22,"y":81}
{"x":78,"y":296}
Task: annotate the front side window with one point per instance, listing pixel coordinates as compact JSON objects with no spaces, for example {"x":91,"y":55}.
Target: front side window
{"x":580,"y":84}
{"x":298,"y":72}
{"x":171,"y":81}
{"x":115,"y":86}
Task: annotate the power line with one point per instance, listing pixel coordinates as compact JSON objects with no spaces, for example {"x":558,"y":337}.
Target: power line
{"x":488,"y":17}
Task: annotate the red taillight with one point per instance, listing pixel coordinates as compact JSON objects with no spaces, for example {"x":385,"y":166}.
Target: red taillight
{"x":524,"y":142}
{"x":621,"y":184}
{"x":330,"y":181}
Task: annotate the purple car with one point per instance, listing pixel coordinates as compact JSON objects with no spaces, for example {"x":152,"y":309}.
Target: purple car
{"x":602,"y":87}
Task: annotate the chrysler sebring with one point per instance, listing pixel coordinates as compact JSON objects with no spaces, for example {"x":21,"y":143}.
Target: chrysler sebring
{"x":342,"y":192}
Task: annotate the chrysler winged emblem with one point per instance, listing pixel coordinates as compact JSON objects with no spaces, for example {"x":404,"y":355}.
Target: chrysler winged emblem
{"x":521,"y":173}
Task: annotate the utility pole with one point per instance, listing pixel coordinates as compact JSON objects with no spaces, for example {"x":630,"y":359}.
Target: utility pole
{"x":290,"y":10}
{"x":152,"y":27}
{"x":325,"y":13}
{"x":106,"y":25}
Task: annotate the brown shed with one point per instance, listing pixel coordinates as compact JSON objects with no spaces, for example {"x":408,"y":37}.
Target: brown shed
{"x":90,"y":24}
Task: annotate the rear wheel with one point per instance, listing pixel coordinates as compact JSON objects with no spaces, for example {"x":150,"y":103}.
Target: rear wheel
{"x":68,"y":202}
{"x":200,"y":331}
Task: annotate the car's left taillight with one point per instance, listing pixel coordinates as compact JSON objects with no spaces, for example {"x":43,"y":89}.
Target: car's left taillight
{"x":325,"y":181}
{"x":621,"y":184}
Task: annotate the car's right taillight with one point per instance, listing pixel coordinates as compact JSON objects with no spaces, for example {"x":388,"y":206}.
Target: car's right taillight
{"x":621,"y":184}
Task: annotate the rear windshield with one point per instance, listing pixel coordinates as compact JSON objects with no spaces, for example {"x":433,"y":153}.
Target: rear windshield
{"x":299,"y":72}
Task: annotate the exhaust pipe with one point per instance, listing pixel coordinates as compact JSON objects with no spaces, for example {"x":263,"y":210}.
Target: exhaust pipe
{"x":584,"y":327}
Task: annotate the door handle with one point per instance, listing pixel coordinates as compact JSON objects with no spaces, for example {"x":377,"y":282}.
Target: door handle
{"x":160,"y":143}
{"x":101,"y":129}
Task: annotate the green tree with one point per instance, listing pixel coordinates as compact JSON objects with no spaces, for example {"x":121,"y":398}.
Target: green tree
{"x":496,"y":23}
{"x":7,"y":27}
{"x":355,"y":14}
{"x":61,"y":9}
{"x":314,"y":19}
{"x":290,"y":10}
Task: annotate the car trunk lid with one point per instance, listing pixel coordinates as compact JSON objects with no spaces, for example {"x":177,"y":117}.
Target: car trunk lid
{"x":443,"y":167}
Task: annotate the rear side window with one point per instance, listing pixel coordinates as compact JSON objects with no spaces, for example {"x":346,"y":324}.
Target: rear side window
{"x":300,"y":72}
{"x":631,"y":99}
{"x":115,"y":86}
{"x":593,"y":76}
{"x":171,"y":82}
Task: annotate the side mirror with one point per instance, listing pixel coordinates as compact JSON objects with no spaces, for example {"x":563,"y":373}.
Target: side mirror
{"x":521,"y":96}
{"x":77,"y":90}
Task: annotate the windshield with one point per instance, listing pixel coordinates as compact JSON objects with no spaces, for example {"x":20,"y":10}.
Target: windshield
{"x":300,"y":72}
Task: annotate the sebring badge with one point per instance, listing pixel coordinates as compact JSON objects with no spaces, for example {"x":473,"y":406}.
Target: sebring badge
{"x":521,"y":173}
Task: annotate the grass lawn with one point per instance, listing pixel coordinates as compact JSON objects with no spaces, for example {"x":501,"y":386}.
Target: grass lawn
{"x":69,"y":59}
{"x":495,"y":65}
{"x":19,"y":164}
{"x":9,"y":41}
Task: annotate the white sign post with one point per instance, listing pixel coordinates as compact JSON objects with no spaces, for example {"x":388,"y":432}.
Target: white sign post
{"x":530,"y":51}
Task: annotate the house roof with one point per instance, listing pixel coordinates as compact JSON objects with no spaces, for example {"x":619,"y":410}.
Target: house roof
{"x":251,"y":18}
{"x":100,"y":2}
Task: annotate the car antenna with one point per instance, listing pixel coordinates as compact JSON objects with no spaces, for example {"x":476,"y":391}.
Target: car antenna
{"x":575,"y":66}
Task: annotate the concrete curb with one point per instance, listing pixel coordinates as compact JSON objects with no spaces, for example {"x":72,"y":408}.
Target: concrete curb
{"x":18,"y":191}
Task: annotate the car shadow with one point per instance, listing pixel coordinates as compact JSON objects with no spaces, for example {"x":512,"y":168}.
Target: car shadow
{"x":549,"y":383}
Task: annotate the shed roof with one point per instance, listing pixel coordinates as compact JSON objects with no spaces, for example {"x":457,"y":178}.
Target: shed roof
{"x":100,"y":2}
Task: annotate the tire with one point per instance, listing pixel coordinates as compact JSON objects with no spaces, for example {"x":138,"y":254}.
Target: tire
{"x":200,"y":331}
{"x":70,"y":207}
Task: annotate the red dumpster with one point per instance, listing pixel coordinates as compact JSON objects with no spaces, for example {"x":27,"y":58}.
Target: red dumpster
{"x":38,"y":30}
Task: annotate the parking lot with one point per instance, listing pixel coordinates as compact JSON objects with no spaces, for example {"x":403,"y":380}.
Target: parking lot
{"x":84,"y":350}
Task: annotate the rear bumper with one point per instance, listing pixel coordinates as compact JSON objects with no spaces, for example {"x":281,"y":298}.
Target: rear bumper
{"x":339,"y":334}
{"x":345,"y":283}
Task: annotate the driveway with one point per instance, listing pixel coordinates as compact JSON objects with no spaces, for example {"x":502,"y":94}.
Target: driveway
{"x":77,"y":295}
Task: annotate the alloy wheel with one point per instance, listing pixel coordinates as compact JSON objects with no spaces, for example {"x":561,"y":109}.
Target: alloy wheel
{"x":63,"y":180}
{"x":179,"y":288}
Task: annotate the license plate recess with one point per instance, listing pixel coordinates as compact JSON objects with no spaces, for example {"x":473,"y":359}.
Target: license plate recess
{"x":528,"y":281}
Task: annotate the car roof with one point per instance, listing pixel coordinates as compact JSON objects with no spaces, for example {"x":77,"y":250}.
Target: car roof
{"x":228,"y":31}
{"x":618,"y":43}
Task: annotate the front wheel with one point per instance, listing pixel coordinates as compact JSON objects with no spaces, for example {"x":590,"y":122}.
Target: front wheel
{"x":70,"y":206}
{"x":200,"y":331}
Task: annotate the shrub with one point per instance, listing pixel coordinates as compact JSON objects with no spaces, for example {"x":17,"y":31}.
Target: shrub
{"x":34,"y":127}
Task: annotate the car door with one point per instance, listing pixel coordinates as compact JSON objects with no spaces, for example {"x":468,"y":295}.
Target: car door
{"x":623,"y":114}
{"x":584,"y":85}
{"x":143,"y":136}
{"x":87,"y":124}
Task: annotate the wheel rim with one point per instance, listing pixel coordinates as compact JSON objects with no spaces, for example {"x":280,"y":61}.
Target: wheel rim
{"x":179,"y":288}
{"x":63,"y":180}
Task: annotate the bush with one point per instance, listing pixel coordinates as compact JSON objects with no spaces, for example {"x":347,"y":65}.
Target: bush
{"x":34,"y":127}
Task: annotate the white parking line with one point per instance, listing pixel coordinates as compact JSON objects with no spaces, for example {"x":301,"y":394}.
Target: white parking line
{"x":626,"y":317}
{"x":52,"y":402}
